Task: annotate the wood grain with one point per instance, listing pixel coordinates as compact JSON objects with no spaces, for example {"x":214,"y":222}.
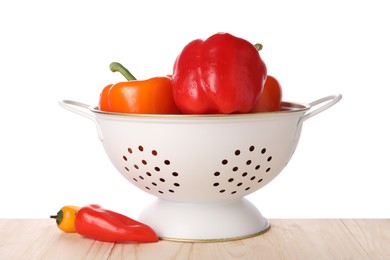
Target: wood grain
{"x":373,"y":235}
{"x":287,"y":239}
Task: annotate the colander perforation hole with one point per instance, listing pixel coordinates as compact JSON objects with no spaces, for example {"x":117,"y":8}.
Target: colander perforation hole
{"x":243,"y":170}
{"x":147,"y":170}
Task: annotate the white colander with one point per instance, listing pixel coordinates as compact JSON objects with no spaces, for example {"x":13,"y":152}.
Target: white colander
{"x":200,"y":167}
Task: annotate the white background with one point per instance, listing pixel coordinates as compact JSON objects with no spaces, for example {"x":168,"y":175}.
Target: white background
{"x":54,"y":50}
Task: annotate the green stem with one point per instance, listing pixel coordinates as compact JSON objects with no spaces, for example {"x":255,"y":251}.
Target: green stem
{"x":258,"y":46}
{"x":115,"y":66}
{"x":58,"y":217}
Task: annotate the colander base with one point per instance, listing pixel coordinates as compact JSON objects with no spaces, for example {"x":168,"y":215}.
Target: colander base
{"x":214,"y":240}
{"x":204,"y":222}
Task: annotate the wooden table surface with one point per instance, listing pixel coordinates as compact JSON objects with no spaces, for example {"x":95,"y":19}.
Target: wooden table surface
{"x":287,"y":239}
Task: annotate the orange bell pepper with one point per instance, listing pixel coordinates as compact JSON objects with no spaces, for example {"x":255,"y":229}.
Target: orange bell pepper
{"x":150,"y":96}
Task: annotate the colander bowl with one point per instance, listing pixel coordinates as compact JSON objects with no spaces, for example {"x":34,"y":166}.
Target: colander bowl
{"x":201,"y":167}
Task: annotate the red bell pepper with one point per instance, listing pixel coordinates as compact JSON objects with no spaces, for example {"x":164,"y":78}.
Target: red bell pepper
{"x":104,"y":225}
{"x":223,"y":74}
{"x":271,"y":97}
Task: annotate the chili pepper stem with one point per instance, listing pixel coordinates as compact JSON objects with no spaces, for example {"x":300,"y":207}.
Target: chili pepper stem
{"x":116,"y":66}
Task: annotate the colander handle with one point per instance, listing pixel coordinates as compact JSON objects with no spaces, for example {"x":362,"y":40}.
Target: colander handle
{"x":83,"y":110}
{"x":331,"y":100}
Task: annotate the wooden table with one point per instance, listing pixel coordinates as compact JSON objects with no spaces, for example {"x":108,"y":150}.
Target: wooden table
{"x":287,"y":239}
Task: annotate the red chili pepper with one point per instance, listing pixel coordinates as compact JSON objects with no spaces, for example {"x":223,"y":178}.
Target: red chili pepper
{"x":105,"y":225}
{"x":223,"y":74}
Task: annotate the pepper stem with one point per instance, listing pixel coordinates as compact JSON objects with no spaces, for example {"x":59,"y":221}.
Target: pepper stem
{"x":58,"y":217}
{"x":258,"y":46}
{"x":116,"y":66}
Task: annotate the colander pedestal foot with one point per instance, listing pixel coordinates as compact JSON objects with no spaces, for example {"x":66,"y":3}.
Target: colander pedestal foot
{"x":204,"y":222}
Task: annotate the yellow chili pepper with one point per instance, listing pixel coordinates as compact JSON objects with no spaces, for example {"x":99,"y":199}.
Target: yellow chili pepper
{"x":66,"y":217}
